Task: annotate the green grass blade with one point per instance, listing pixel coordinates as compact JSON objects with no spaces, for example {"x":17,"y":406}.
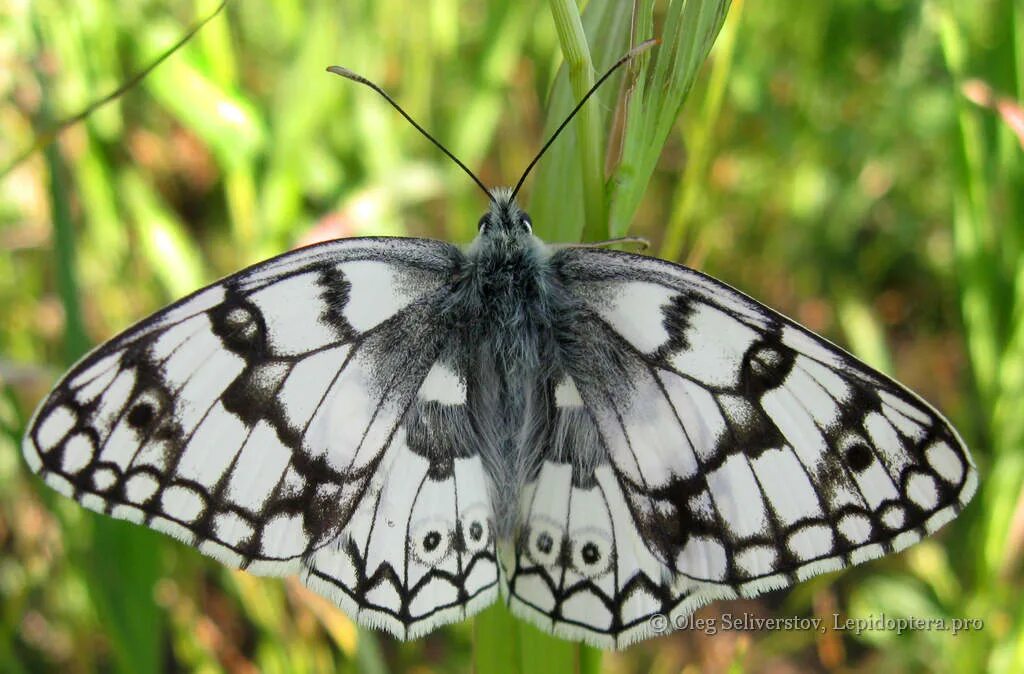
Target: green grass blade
{"x":542,"y":653}
{"x":693,"y":182}
{"x":556,"y":188}
{"x":76,"y":343}
{"x":590,"y":140}
{"x":165,"y":244}
{"x":690,"y":29}
{"x":496,"y":641}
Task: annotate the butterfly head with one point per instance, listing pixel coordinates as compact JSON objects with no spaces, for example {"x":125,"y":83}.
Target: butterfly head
{"x":504,"y":220}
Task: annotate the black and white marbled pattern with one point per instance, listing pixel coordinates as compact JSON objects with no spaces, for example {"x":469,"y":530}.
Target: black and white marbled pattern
{"x":283,"y":426}
{"x":741,"y":454}
{"x":408,"y":426}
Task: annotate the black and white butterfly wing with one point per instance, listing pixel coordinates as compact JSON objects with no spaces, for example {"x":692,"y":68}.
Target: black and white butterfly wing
{"x":289,"y":419}
{"x":702,"y":446}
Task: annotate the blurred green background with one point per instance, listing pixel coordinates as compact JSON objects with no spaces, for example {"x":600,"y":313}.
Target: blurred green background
{"x":856,"y":164}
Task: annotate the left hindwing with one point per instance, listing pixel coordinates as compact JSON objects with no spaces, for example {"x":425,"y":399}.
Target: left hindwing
{"x":735,"y":452}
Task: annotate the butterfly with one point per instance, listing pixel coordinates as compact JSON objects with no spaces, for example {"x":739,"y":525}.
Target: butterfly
{"x":415,"y":429}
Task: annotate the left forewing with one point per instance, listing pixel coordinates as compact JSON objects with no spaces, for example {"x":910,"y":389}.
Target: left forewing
{"x":293,"y":418}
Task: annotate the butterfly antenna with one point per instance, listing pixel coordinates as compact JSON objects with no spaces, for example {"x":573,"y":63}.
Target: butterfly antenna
{"x":633,"y":53}
{"x":355,"y":77}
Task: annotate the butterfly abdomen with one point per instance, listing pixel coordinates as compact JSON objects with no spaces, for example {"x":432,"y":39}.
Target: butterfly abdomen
{"x":504,"y":306}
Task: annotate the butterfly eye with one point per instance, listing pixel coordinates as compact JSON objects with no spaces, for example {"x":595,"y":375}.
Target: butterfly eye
{"x":591,"y":552}
{"x":430,"y":541}
{"x":527,"y":224}
{"x":475,"y":531}
{"x":483,"y":223}
{"x":544,"y":543}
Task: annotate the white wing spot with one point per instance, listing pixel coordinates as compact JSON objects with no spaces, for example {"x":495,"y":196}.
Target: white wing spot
{"x":855,"y":528}
{"x":103,"y":479}
{"x":55,"y":427}
{"x":182,"y":503}
{"x":819,"y":567}
{"x":443,"y":385}
{"x":922,"y":490}
{"x":811,"y":541}
{"x":945,"y":462}
{"x":242,"y":320}
{"x":700,"y":415}
{"x":894,"y":516}
{"x":307,"y":383}
{"x":703,"y":557}
{"x":202,"y":301}
{"x":866,"y":552}
{"x":89,"y":392}
{"x":813,"y":397}
{"x":78,"y":453}
{"x":566,"y":393}
{"x":905,"y":408}
{"x":375,"y":293}
{"x":175,"y":529}
{"x":294,"y":326}
{"x":436,"y":592}
{"x":154,"y":454}
{"x":789,"y":492}
{"x":164,"y":346}
{"x":905,"y":540}
{"x":883,"y":435}
{"x":586,"y":607}
{"x":634,"y":310}
{"x":797,"y":340}
{"x":384,"y":595}
{"x":96,"y":369}
{"x":738,"y":496}
{"x":140,"y":487}
{"x":836,"y":386}
{"x":232,"y":529}
{"x":757,"y":560}
{"x":284,"y":536}
{"x":903,"y":424}
{"x":220,"y":429}
{"x":127,"y":512}
{"x":259,"y":466}
{"x":537,"y":590}
{"x":717,"y":345}
{"x":93,"y":502}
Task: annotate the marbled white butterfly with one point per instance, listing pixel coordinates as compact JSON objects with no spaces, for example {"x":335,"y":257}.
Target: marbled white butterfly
{"x":415,"y":429}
